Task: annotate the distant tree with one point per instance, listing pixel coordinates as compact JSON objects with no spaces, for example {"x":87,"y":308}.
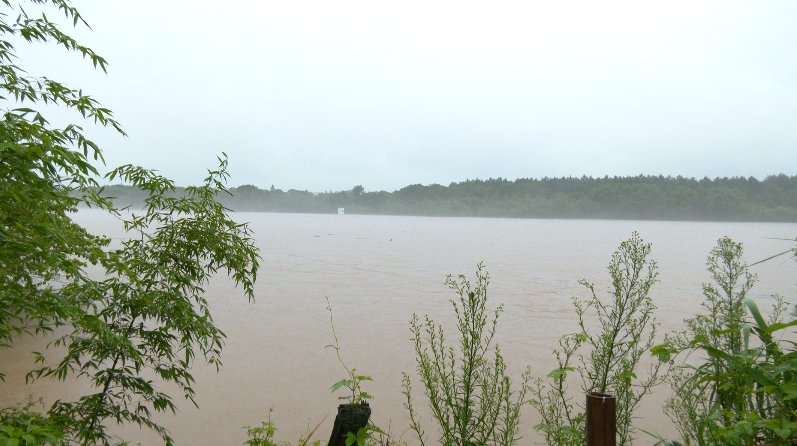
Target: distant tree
{"x":247,"y":188}
{"x":639,"y":197}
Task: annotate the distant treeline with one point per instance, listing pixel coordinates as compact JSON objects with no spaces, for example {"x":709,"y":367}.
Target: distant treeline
{"x":641,"y":197}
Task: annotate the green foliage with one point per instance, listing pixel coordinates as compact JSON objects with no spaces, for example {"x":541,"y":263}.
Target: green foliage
{"x":613,"y":359}
{"x":642,"y":197}
{"x":744,"y":393}
{"x":263,"y":435}
{"x":24,"y":427}
{"x":44,"y":173}
{"x":141,"y":318}
{"x":693,"y":403}
{"x":148,"y":315}
{"x":470,"y":395}
{"x":368,"y":435}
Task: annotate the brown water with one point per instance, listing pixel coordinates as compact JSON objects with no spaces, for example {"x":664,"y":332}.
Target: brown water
{"x":379,"y":270}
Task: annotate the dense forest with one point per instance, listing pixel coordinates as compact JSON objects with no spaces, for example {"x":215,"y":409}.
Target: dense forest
{"x":640,"y":197}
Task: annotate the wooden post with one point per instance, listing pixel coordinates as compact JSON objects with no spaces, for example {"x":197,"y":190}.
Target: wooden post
{"x":351,"y":418}
{"x":601,"y":419}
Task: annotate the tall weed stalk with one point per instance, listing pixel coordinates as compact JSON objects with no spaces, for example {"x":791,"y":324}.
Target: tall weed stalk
{"x":608,"y":359}
{"x":469,"y":393}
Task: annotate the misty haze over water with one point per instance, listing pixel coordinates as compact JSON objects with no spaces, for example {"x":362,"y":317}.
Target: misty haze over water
{"x":642,"y":198}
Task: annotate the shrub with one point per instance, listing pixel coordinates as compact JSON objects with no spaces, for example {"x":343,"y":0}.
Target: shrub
{"x":745,"y":390}
{"x":608,"y":360}
{"x":469,"y":393}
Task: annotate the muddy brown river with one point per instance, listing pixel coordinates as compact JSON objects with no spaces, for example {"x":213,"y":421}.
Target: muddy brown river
{"x":379,"y":270}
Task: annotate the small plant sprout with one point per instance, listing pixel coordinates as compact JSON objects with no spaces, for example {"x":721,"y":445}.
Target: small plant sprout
{"x":263,"y":435}
{"x":353,"y":382}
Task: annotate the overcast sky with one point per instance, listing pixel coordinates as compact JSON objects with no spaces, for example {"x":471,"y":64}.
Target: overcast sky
{"x":324,"y":95}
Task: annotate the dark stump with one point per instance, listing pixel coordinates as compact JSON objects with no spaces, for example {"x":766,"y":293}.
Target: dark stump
{"x":351,"y":418}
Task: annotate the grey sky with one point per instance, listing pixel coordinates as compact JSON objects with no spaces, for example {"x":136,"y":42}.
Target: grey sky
{"x":323,"y":95}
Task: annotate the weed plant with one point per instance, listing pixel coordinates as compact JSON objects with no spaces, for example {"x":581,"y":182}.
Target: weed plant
{"x":744,"y":392}
{"x":263,"y":435}
{"x":607,"y":360}
{"x":468,"y":390}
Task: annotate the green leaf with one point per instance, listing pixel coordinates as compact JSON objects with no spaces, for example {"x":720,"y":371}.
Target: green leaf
{"x":559,"y":373}
{"x":663,"y":352}
{"x":340,"y":384}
